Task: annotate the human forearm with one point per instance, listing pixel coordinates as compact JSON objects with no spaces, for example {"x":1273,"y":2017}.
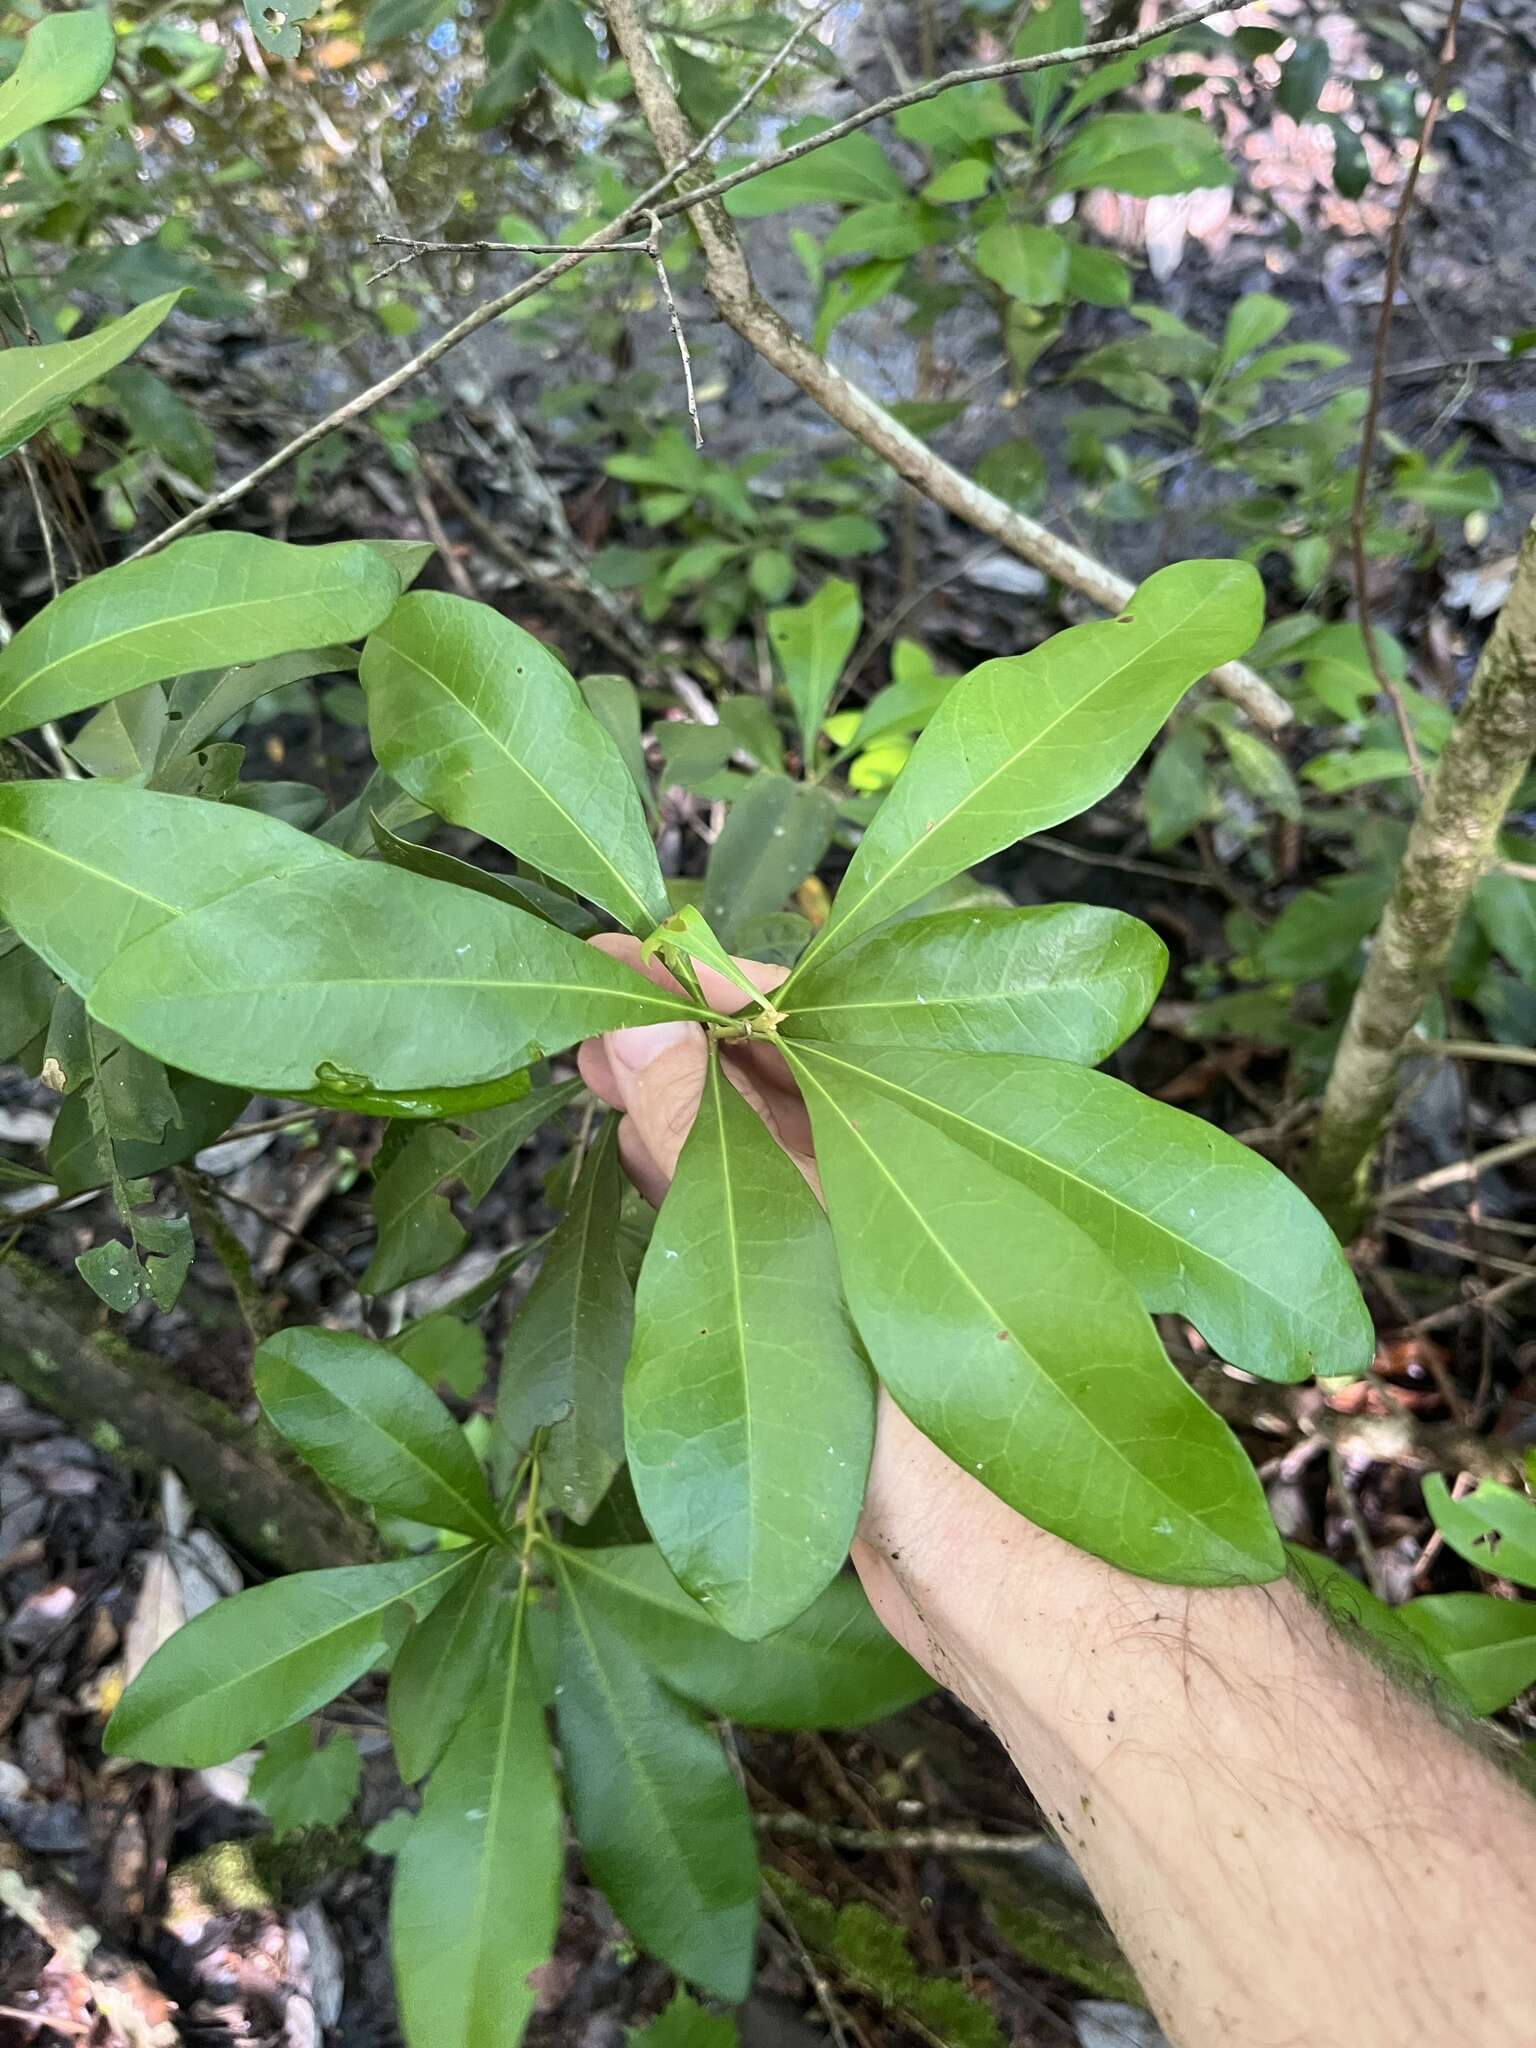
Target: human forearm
{"x":1238,"y":1786}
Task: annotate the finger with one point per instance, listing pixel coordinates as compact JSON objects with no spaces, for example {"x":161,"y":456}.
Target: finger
{"x":635,"y":1158}
{"x":658,"y":1072}
{"x":596,"y":1070}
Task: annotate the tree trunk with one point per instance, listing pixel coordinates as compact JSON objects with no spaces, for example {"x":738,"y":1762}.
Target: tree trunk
{"x":1452,"y":841}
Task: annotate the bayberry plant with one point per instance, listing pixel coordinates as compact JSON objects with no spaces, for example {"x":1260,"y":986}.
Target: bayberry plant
{"x":1001,"y":1220}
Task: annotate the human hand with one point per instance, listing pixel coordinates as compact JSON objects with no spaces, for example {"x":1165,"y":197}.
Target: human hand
{"x":927,"y":1526}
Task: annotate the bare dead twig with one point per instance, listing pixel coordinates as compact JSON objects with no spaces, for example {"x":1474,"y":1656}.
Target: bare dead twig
{"x":1358,"y":506}
{"x":653,"y":250}
{"x":913,"y":1841}
{"x":1459,"y":1170}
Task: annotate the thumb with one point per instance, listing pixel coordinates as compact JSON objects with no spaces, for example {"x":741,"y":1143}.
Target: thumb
{"x":658,"y":1076}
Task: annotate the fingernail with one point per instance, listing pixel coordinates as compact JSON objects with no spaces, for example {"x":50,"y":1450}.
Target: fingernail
{"x":637,"y":1046}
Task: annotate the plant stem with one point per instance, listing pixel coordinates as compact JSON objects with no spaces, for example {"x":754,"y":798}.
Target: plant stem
{"x":1451,"y":845}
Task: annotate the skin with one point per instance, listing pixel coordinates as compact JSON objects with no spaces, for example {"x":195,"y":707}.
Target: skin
{"x":1292,"y":1852}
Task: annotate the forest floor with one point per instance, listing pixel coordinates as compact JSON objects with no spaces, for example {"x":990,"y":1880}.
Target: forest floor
{"x":98,"y":1553}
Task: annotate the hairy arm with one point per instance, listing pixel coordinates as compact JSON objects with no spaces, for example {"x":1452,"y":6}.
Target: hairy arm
{"x":1293,"y":1852}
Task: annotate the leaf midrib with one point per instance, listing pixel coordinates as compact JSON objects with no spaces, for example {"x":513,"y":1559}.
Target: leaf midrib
{"x":1179,"y":1508}
{"x":494,"y":1803}
{"x":642,"y":916}
{"x":875,"y":889}
{"x":52,"y":852}
{"x":899,"y":1091}
{"x":739,"y":1333}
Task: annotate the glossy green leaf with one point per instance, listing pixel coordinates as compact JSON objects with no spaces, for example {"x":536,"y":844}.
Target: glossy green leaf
{"x":298,"y":1785}
{"x":370,"y":1427}
{"x":86,"y":869}
{"x":37,"y":383}
{"x":65,"y":61}
{"x":775,"y":834}
{"x":481,"y":723}
{"x":1010,"y":1340}
{"x":1492,"y":1527}
{"x":812,"y":642}
{"x":1020,"y":744}
{"x":476,"y":1898}
{"x":833,"y":1666}
{"x":1376,"y":1629}
{"x":400,"y":984}
{"x":159,"y":418}
{"x":418,"y":1231}
{"x":206,"y":601}
{"x":684,"y":2024}
{"x":749,"y":1410}
{"x":1067,"y":980}
{"x":537,"y":898}
{"x":1200,"y":1226}
{"x":563,"y":1371}
{"x":1487,"y":1645}
{"x":663,"y":1825}
{"x":443,"y":1663}
{"x":256,"y":1663}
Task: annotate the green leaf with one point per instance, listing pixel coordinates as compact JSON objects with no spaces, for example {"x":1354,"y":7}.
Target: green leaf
{"x":1505,"y":907}
{"x":277,"y":28}
{"x":257,"y":1663}
{"x":1028,"y":263}
{"x":686,"y":936}
{"x":663,"y":1825}
{"x":958,"y":183}
{"x":298,"y":1786}
{"x":418,"y":1231}
{"x":1097,"y":276}
{"x":1020,"y":744}
{"x":1252,"y":323}
{"x":37,"y":383}
{"x":481,"y":723}
{"x":844,"y":533}
{"x":1065,"y":979}
{"x":202,"y":1112}
{"x":854,"y":171}
{"x":774,"y":836}
{"x":1055,"y":25}
{"x":370,"y":1427}
{"x":202,"y":702}
{"x":953,"y":123}
{"x":1178,"y":793}
{"x":553,"y":906}
{"x":812,"y":642}
{"x":1356,"y":1612}
{"x":1262,"y":769}
{"x":65,"y":61}
{"x":476,"y":1898}
{"x":443,"y":1663}
{"x":1199,"y":1225}
{"x":217,"y":597}
{"x":441,"y":1348}
{"x":1302,"y":77}
{"x":833,"y":1666}
{"x":615,"y":703}
{"x":1144,"y":155}
{"x":749,"y":1411}
{"x":1493,"y":1527}
{"x":969,"y":1292}
{"x":1487,"y":1645}
{"x":684,"y":2024}
{"x":563,"y":1370}
{"x":158,"y":417}
{"x":401,"y":984}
